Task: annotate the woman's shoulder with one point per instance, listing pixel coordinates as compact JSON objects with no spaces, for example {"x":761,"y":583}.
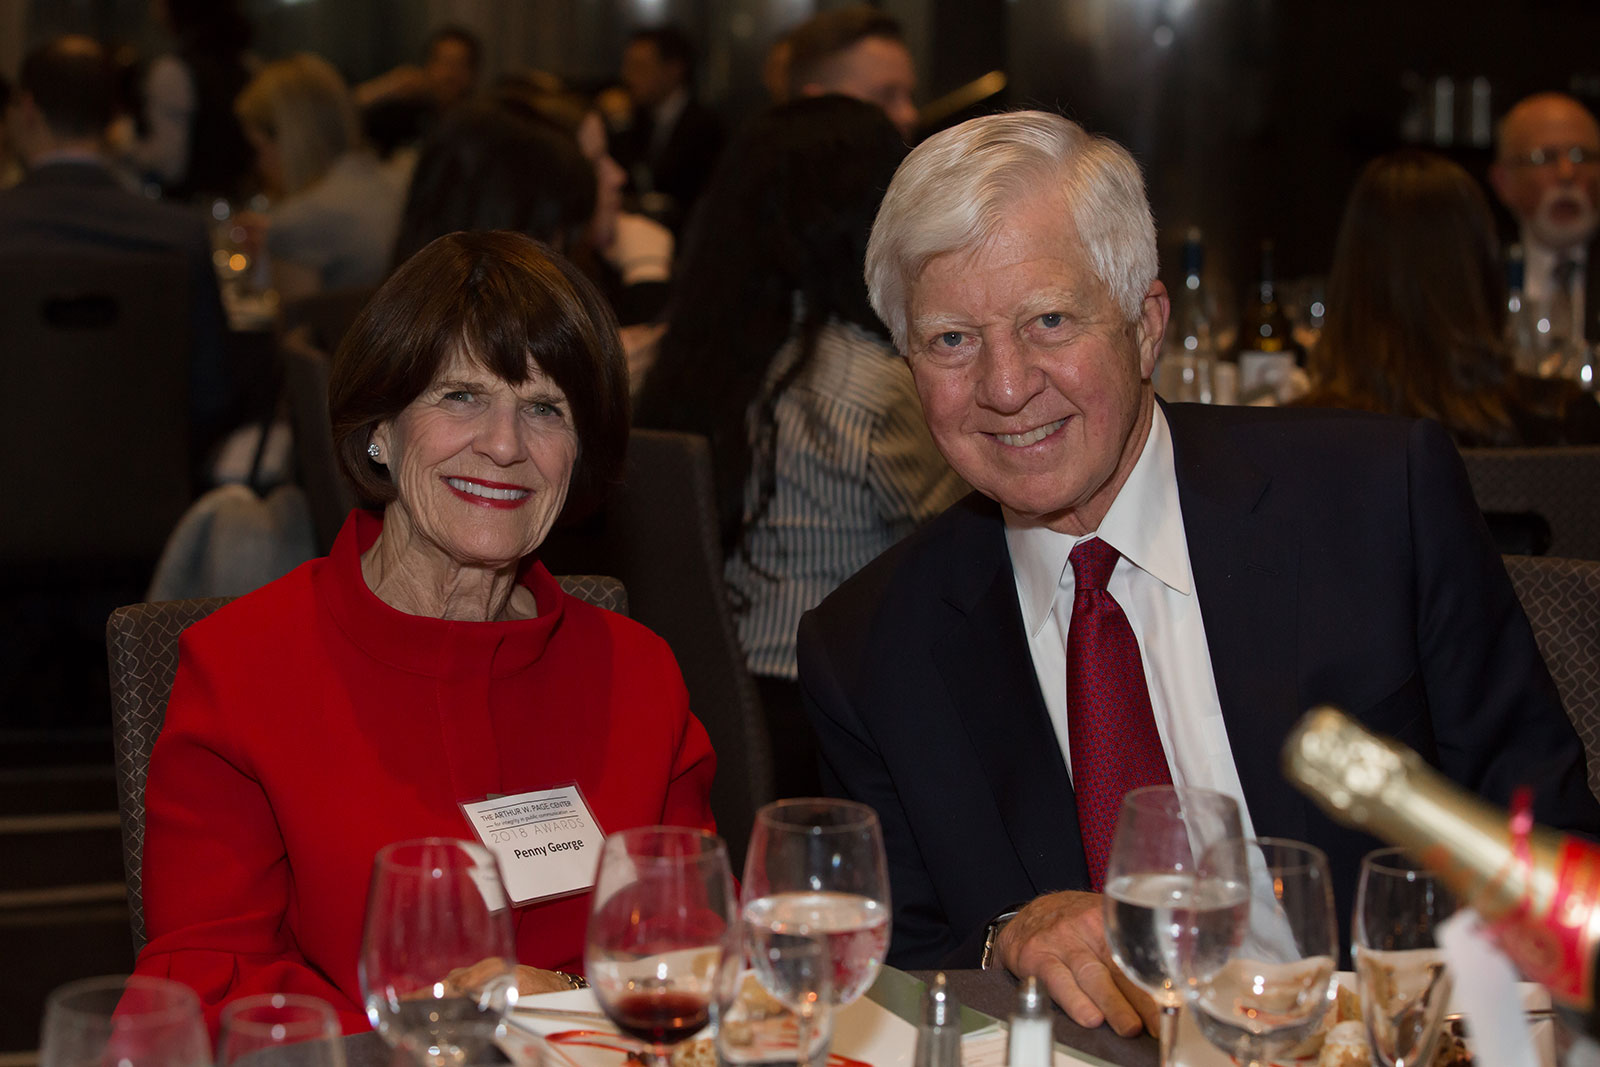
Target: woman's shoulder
{"x":854,"y":366}
{"x":260,"y":621}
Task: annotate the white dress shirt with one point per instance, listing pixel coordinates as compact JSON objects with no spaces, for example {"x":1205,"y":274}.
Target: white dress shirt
{"x":1154,"y":586}
{"x":1538,"y":282}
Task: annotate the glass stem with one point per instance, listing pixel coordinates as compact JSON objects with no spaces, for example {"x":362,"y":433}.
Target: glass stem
{"x":1169,"y":1034}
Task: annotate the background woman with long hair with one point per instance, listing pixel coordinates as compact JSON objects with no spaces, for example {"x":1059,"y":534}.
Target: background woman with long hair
{"x":773,"y":353}
{"x":1416,"y":315}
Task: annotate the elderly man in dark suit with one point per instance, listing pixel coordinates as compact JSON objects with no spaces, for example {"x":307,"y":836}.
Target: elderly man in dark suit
{"x":1137,"y":593}
{"x":69,"y":201}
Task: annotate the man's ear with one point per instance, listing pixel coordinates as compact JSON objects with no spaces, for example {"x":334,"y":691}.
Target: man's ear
{"x":1151,"y":326}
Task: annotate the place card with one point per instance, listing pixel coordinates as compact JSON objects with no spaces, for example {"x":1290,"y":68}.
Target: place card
{"x":547,"y":841}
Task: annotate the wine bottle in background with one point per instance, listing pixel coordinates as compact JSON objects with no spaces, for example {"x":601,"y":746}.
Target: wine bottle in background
{"x":1267,"y":353}
{"x":1188,"y":354}
{"x":1522,"y":331}
{"x":1538,"y":890}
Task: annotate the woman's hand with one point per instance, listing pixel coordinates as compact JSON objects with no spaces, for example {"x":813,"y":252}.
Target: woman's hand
{"x":532,"y":980}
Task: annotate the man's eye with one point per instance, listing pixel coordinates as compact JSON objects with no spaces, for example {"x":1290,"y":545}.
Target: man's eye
{"x":1050,"y":320}
{"x":951,"y":339}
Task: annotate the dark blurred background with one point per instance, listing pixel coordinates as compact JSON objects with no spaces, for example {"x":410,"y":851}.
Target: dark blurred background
{"x":1250,"y":116}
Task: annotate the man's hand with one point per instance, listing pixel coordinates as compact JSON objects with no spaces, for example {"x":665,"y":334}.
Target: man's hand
{"x":1060,"y":938}
{"x":530,"y":980}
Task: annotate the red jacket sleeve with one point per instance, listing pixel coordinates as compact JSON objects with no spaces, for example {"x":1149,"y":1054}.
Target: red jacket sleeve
{"x":216,"y":876}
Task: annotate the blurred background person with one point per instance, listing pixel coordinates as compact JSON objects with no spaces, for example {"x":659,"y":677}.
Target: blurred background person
{"x":480,"y":394}
{"x":628,"y":255}
{"x":1416,"y":315}
{"x":860,"y":52}
{"x":186,"y":137}
{"x":399,"y":107}
{"x":70,"y":201}
{"x":10,"y":165}
{"x":821,"y":456}
{"x":672,"y":140}
{"x":335,"y":205}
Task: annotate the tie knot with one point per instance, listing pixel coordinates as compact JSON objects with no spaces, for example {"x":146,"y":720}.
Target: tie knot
{"x":1565,"y":270}
{"x":1092,"y":562}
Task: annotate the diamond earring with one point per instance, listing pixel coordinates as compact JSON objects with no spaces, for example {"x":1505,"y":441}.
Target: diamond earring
{"x":373,"y":451}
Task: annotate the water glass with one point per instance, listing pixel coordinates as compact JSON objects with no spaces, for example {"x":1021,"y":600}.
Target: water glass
{"x":1161,"y":833}
{"x":269,"y":1021}
{"x":129,"y":1021}
{"x":760,"y":1028}
{"x":1405,"y":985}
{"x":816,"y":867}
{"x":1256,"y":943}
{"x":438,"y":957}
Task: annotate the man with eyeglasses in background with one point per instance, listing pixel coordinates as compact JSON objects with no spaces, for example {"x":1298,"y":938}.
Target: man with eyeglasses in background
{"x":1547,"y":174}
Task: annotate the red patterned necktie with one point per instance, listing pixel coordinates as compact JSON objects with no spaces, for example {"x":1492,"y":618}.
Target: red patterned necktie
{"x":1111,"y":730}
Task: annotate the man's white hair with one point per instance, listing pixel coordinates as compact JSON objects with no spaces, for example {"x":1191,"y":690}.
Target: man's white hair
{"x":955,"y":189}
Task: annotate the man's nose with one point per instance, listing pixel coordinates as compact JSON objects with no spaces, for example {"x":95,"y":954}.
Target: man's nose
{"x":1009,"y":377}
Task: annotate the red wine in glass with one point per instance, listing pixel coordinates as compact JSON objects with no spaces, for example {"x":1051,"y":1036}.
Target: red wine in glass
{"x":663,"y":1018}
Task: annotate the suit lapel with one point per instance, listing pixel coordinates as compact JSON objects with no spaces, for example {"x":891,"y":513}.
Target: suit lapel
{"x":988,"y":671}
{"x":1246,"y":573}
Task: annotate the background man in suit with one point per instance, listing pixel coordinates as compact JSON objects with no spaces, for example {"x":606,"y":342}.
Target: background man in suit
{"x":70,"y":201}
{"x":672,"y":143}
{"x":854,"y":51}
{"x":1137,"y":593}
{"x":1547,"y":174}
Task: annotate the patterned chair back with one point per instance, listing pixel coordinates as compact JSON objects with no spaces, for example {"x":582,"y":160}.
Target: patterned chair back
{"x":142,"y":650}
{"x":1562,"y":600}
{"x":1561,"y":485}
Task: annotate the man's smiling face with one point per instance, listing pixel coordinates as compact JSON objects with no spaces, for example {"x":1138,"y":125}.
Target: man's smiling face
{"x":1035,"y":385}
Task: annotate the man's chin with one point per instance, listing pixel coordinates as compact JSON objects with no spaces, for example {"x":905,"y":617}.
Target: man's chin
{"x":1571,"y":230}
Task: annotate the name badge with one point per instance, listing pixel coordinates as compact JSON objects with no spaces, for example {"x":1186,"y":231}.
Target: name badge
{"x":547,"y":842}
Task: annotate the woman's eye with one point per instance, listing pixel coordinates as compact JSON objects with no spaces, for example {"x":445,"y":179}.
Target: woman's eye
{"x":1050,"y":320}
{"x":458,"y":396}
{"x":541,"y":408}
{"x":951,"y":338}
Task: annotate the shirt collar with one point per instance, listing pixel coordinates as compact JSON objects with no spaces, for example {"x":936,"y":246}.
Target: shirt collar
{"x":1144,"y":523}
{"x":1541,"y":259}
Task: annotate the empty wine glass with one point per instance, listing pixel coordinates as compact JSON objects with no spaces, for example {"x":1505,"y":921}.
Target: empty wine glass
{"x":1400,"y":968}
{"x":816,"y":866}
{"x":268,"y":1021}
{"x":1256,"y":942}
{"x":438,"y":962}
{"x":662,"y":951}
{"x":129,"y":1021}
{"x":1161,"y":831}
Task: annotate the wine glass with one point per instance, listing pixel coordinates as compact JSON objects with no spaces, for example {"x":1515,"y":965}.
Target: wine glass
{"x":1161,"y":830}
{"x":816,"y":866}
{"x":662,"y":951}
{"x":1255,"y":941}
{"x":784,"y":1011}
{"x":129,"y":1021}
{"x":268,"y":1021}
{"x":438,"y":962}
{"x":1400,"y":968}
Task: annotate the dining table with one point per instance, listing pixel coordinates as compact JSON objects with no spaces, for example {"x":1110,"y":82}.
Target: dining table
{"x":992,"y":993}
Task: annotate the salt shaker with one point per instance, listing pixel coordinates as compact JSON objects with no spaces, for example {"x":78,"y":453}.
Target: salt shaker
{"x":1031,"y":1041}
{"x":939,"y":1027}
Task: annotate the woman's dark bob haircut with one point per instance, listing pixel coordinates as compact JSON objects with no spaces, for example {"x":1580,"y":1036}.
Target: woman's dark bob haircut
{"x":513,"y":304}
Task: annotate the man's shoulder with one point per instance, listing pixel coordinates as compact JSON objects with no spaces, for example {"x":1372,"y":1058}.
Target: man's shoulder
{"x":940,"y":560}
{"x":98,"y":217}
{"x":1293,"y":440}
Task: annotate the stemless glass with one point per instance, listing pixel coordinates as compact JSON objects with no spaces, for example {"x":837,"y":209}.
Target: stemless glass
{"x":1400,"y":968}
{"x":1161,"y":832}
{"x":268,"y":1021}
{"x":816,"y":866}
{"x":129,"y":1021}
{"x":662,"y":951}
{"x":438,"y":957}
{"x":1256,"y":944}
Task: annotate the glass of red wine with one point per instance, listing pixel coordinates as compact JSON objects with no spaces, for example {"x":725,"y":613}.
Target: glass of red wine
{"x":662,"y":952}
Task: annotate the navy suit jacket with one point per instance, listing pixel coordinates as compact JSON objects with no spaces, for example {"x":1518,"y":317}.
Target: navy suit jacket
{"x":1338,"y":557}
{"x":71,"y":206}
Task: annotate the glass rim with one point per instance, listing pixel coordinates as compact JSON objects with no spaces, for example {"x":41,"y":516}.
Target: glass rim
{"x":320,"y":1010}
{"x":1310,"y":853}
{"x":710,"y":843}
{"x":385,"y":856}
{"x":1396,"y":860}
{"x":186,"y":1002}
{"x":861,"y":816}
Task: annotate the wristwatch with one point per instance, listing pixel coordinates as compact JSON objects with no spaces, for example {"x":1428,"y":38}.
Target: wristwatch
{"x":991,"y":934}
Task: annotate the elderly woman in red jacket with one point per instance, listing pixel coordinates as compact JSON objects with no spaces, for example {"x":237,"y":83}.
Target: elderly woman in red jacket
{"x":429,"y":660}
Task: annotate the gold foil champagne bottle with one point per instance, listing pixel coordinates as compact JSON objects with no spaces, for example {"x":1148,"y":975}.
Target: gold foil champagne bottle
{"x":1538,"y":890}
